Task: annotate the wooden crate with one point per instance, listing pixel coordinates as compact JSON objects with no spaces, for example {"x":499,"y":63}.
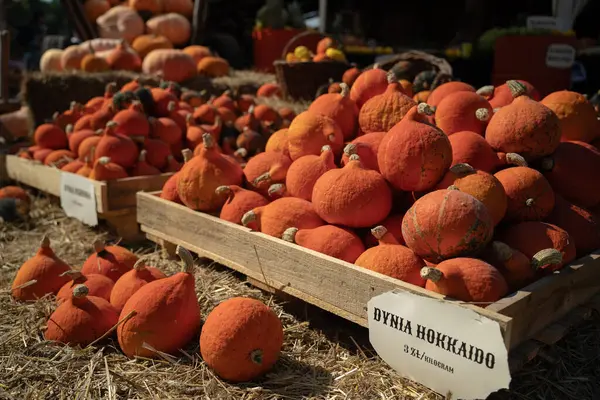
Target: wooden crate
{"x":115,"y":200}
{"x":530,"y":319}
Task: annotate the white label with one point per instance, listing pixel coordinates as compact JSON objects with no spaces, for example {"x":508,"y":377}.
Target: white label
{"x":78,"y":198}
{"x":560,"y":56}
{"x":541,"y":22}
{"x":441,"y":345}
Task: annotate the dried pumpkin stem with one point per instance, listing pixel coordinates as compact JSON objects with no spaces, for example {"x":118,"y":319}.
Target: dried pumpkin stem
{"x":186,"y":257}
{"x":516,"y":88}
{"x":187,"y":155}
{"x":452,"y":187}
{"x":208,"y":141}
{"x":516,"y":159}
{"x":248,"y":218}
{"x":325,"y":148}
{"x":391,"y":77}
{"x":331,"y":138}
{"x":424,"y":108}
{"x":142,"y":157}
{"x":241,"y":152}
{"x":354,"y":157}
{"x":350,"y":149}
{"x":379,"y":232}
{"x":172,"y":106}
{"x":431,"y":274}
{"x":485,"y":91}
{"x":139,"y":265}
{"x":530,"y":202}
{"x":80,"y":291}
{"x":462,"y":169}
{"x":104,"y":160}
{"x":502,"y":250}
{"x":223,"y":190}
{"x":276,"y":189}
{"x":45,"y":242}
{"x":111,"y":125}
{"x":546,"y":257}
{"x":345,"y":89}
{"x":289,"y":235}
{"x":483,"y":114}
{"x":75,"y":276}
{"x":99,"y":246}
{"x":266,"y":177}
{"x":69,"y":129}
{"x":256,"y":356}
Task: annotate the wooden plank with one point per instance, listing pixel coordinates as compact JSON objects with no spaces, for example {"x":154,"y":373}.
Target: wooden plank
{"x":328,"y":283}
{"x":121,"y":193}
{"x":34,"y":174}
{"x":550,"y":298}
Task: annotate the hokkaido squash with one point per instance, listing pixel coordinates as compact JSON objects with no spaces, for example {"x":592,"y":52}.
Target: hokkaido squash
{"x":251,"y":141}
{"x":76,"y":138}
{"x":479,"y":184}
{"x":368,"y":84}
{"x":267,"y":168}
{"x":572,"y":171}
{"x":239,"y":202}
{"x":166,"y":315}
{"x":530,"y":196}
{"x":439,"y":93}
{"x":466,"y":279}
{"x":393,"y":226}
{"x":213,"y":67}
{"x":81,"y":319}
{"x":366,"y":146}
{"x":278,"y":141}
{"x":40,"y":275}
{"x":165,"y":129}
{"x":577,"y":116}
{"x":350,"y":76}
{"x":123,"y":57}
{"x":15,"y":192}
{"x":71,"y":57}
{"x":169,"y":64}
{"x":58,"y":158}
{"x":413,"y":155}
{"x":352,"y":196}
{"x":132,"y":121}
{"x":392,"y":259}
{"x":203,"y":174}
{"x":501,"y":96}
{"x":241,"y":339}
{"x":305,"y":171}
{"x":98,"y":285}
{"x":310,"y":131}
{"x":269,"y":89}
{"x":142,"y":167}
{"x":106,"y":170}
{"x":281,"y":214}
{"x":111,"y":261}
{"x":525,"y":127}
{"x":445,"y":224}
{"x":381,"y":112}
{"x":72,"y":166}
{"x":50,"y":136}
{"x":327,"y":239}
{"x":340,"y":108}
{"x":121,"y":149}
{"x":131,"y":281}
{"x":463,"y":111}
{"x":144,"y":44}
{"x":158,"y":153}
{"x":169,"y":189}
{"x":530,"y":237}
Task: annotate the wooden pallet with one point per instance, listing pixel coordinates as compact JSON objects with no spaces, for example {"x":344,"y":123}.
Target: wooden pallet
{"x":115,"y":200}
{"x":530,"y":319}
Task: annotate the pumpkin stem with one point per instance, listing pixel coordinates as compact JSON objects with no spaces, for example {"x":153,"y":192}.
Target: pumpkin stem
{"x":350,"y":149}
{"x":80,"y":291}
{"x":256,"y":356}
{"x":376,"y":66}
{"x":276,"y":189}
{"x":172,"y":106}
{"x":186,"y":257}
{"x":99,"y":246}
{"x":187,"y":155}
{"x":517,"y":89}
{"x":45,"y":244}
{"x":248,"y":218}
{"x":391,"y":77}
{"x":546,"y":257}
{"x":262,"y":178}
{"x":485,"y":91}
{"x":495,"y":110}
{"x":354,"y":157}
{"x":325,"y":148}
{"x":289,"y":235}
{"x":241,"y":152}
{"x":103,"y":160}
{"x":111,"y":88}
{"x":516,"y":159}
{"x":110,"y":126}
{"x":331,"y":138}
{"x":223,"y":190}
{"x":483,"y":114}
{"x":452,"y":187}
{"x":69,"y":129}
{"x":462,"y":169}
{"x":431,"y":274}
{"x":379,"y":232}
{"x":424,"y":108}
{"x":208,"y":141}
{"x":251,"y":110}
{"x":139,"y":265}
{"x":547,"y":164}
{"x":142,"y":157}
{"x":345,"y":89}
{"x":76,"y":276}
{"x":502,"y":250}
{"x":529,"y":202}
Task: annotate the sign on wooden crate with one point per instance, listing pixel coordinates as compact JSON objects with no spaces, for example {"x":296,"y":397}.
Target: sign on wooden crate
{"x":78,"y":198}
{"x":446,"y":347}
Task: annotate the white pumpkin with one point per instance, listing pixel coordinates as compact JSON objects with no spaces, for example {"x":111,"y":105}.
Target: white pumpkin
{"x":51,"y":61}
{"x":173,"y":26}
{"x":120,"y":22}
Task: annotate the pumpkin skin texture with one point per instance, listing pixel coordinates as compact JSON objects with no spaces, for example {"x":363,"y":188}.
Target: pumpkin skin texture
{"x":197,"y":52}
{"x":203,"y":174}
{"x":269,"y":90}
{"x":393,"y":226}
{"x":81,"y":319}
{"x":169,"y":64}
{"x":169,"y":189}
{"x":120,"y":22}
{"x":239,"y":202}
{"x":213,"y":67}
{"x":72,"y":166}
{"x":440,"y":92}
{"x":366,"y":146}
{"x":463,"y":111}
{"x":305,"y":171}
{"x":331,"y":240}
{"x":572,"y":171}
{"x":278,"y":141}
{"x":530,"y":196}
{"x":111,"y":261}
{"x":581,"y":225}
{"x":45,"y":268}
{"x":413,"y":155}
{"x":530,"y":237}
{"x":144,"y":44}
{"x":381,"y":112}
{"x":577,"y":116}
{"x":143,"y":168}
{"x":525,"y":127}
{"x":132,"y":121}
{"x":466,"y":279}
{"x":106,"y":170}
{"x":76,"y":138}
{"x":241,"y":339}
{"x":340,"y":108}
{"x":471,"y":148}
{"x":51,"y":60}
{"x":131,"y":281}
{"x":392,"y":259}
{"x":264,"y":169}
{"x":167,"y":314}
{"x":121,"y":149}
{"x":445,"y":224}
{"x":176,"y":28}
{"x":15,"y":192}
{"x":98,"y":285}
{"x":370,"y":83}
{"x":281,"y":214}
{"x":352,"y":196}
{"x":501,"y":96}
{"x":310,"y":131}
{"x":50,"y":136}
{"x":58,"y":156}
{"x":350,"y":76}
{"x":481,"y":185}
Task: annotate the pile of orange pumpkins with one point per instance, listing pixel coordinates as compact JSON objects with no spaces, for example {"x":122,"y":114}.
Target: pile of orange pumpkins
{"x":140,"y":130}
{"x":472,"y":194}
{"x":152,"y":314}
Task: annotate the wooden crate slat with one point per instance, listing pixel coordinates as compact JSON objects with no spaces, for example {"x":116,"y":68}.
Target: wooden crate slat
{"x":122,"y":191}
{"x":326,"y":282}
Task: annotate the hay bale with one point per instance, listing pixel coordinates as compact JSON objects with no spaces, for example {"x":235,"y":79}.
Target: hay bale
{"x":243,"y":82}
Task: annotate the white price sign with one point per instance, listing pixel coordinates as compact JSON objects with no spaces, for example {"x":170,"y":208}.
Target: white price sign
{"x":443,"y":346}
{"x":560,"y":56}
{"x":542,"y":22}
{"x":78,"y":198}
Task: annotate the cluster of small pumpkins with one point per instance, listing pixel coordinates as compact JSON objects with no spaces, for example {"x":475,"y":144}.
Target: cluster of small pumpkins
{"x":472,"y":195}
{"x":327,"y":50}
{"x":151,"y":53}
{"x":153,"y":314}
{"x":142,"y":130}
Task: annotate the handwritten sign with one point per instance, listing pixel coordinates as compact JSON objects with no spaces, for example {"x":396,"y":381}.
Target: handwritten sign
{"x":78,"y":198}
{"x":542,"y":22}
{"x":560,"y":55}
{"x":441,"y":345}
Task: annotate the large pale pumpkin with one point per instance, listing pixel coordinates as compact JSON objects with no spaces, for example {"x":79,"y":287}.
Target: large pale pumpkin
{"x":170,"y":64}
{"x":72,"y":56}
{"x":174,"y":27}
{"x":120,"y":22}
{"x":51,"y":60}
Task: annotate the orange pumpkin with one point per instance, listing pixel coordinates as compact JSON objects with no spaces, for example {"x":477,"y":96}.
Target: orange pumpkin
{"x":366,"y":146}
{"x":123,"y":58}
{"x":422,"y":96}
{"x":144,"y":44}
{"x":175,"y":27}
{"x":310,"y":131}
{"x":15,"y":192}
{"x":158,"y":153}
{"x":577,"y":116}
{"x":50,"y":136}
{"x":183,"y":7}
{"x":340,"y":108}
{"x":439,"y":93}
{"x":152,"y":6}
{"x":350,"y":76}
{"x":501,"y":96}
{"x":239,"y":202}
{"x":72,"y":56}
{"x":131,"y":281}
{"x":213,"y":67}
{"x":112,"y":261}
{"x":304,"y":172}
{"x":197,"y":52}
{"x":278,"y":141}
{"x":327,"y":239}
{"x":269,"y":90}
{"x":393,"y":226}
{"x":471,"y":148}
{"x":121,"y":149}
{"x":98,"y":285}
{"x":169,"y":189}
{"x":463,"y":111}
{"x":368,"y":84}
{"x":59,"y":157}
{"x":169,"y":64}
{"x":267,"y":168}
{"x":445,"y":224}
